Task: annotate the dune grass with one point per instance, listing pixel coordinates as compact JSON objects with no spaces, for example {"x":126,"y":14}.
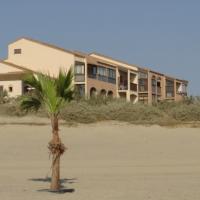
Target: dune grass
{"x":101,"y":109}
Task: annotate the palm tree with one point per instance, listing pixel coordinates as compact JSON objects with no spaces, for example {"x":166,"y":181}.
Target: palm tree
{"x":51,"y":94}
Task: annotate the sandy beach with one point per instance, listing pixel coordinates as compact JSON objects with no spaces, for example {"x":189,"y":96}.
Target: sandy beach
{"x":104,"y":161}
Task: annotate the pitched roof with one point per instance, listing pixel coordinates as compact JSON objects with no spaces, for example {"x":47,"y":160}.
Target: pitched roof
{"x":12,"y":76}
{"x":95,"y":61}
{"x":108,"y":57}
{"x":15,"y":66}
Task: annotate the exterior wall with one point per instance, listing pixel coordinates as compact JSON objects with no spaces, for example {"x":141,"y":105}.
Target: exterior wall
{"x":16,"y":87}
{"x":179,"y":97}
{"x":99,"y":85}
{"x":38,"y":57}
{"x":4,"y":68}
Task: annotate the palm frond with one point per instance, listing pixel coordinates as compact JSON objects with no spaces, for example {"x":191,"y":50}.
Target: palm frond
{"x":33,"y":81}
{"x":64,"y":84}
{"x":30,"y":103}
{"x":49,"y":92}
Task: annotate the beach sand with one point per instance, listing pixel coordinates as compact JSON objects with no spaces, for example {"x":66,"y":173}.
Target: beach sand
{"x":104,"y":161}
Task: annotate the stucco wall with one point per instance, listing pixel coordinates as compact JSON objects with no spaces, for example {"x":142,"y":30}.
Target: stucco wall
{"x":16,"y":87}
{"x":39,"y":57}
{"x":99,"y":85}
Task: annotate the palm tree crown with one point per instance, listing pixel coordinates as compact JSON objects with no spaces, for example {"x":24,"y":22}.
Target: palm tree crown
{"x":50,"y":93}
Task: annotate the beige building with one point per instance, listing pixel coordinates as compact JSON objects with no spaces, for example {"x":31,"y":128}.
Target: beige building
{"x":93,"y":73}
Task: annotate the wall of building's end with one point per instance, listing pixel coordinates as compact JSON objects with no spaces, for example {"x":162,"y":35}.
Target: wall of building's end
{"x":100,"y":85}
{"x":5,"y":68}
{"x":13,"y":88}
{"x":39,"y":57}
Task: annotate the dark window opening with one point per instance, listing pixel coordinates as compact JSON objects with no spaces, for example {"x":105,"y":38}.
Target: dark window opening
{"x":10,"y":88}
{"x":17,"y":51}
{"x":169,"y":88}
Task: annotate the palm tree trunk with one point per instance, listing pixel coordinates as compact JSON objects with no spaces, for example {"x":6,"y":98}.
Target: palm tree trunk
{"x":55,"y":179}
{"x":55,"y":144}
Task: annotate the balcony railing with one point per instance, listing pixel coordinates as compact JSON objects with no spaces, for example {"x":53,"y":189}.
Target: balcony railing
{"x":79,"y":77}
{"x":123,"y":87}
{"x":143,"y":88}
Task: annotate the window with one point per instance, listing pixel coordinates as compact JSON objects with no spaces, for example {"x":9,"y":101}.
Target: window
{"x":111,"y":76}
{"x":79,"y":71}
{"x":79,"y":68}
{"x":17,"y":51}
{"x":143,"y":75}
{"x":153,"y":82}
{"x":111,"y":73}
{"x":143,"y":85}
{"x":169,"y":88}
{"x":94,"y":70}
{"x":102,"y":71}
{"x":10,"y":88}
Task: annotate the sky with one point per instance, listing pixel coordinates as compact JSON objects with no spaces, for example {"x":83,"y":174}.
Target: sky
{"x":163,"y":35}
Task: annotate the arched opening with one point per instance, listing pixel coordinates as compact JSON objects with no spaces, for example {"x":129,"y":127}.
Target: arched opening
{"x":103,"y":93}
{"x":93,"y":92}
{"x":110,"y":94}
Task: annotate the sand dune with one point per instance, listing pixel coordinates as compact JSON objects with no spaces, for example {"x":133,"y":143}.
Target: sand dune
{"x":105,"y":161}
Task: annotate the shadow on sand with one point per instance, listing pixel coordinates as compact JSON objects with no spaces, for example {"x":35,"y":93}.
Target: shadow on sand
{"x":62,"y":190}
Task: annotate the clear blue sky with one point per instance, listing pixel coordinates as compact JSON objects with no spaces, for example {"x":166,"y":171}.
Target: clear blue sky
{"x":161,"y":34}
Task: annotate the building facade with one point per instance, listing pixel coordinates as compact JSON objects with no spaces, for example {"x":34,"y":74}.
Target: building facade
{"x":94,"y":74}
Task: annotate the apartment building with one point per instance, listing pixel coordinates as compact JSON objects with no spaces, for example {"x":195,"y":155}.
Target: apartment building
{"x":93,"y":73}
